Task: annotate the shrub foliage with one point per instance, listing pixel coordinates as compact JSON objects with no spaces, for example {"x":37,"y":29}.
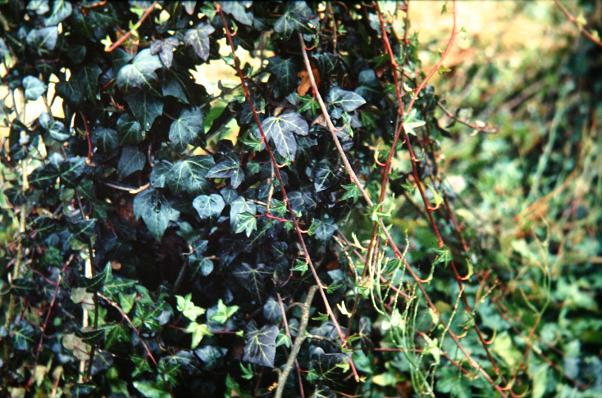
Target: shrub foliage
{"x":292,"y":233}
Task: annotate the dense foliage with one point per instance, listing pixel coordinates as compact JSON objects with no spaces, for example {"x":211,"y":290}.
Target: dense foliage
{"x":161,"y":240}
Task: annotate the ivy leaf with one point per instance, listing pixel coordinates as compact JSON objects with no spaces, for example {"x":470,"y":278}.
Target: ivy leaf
{"x":228,"y":168}
{"x":281,"y":130}
{"x":55,"y":129}
{"x":150,"y":389}
{"x":295,"y":19}
{"x":187,"y":307}
{"x":322,"y":176}
{"x":165,"y":49}
{"x":34,"y":87}
{"x":145,"y":107}
{"x":40,"y":7}
{"x":208,"y":206}
{"x":260,"y":346}
{"x":43,"y":38}
{"x":140,"y":72}
{"x":61,"y":10}
{"x":223,"y":312}
{"x":285,"y":75}
{"x":130,"y":131}
{"x":252,"y":278}
{"x":155,"y":211}
{"x":186,"y":128}
{"x":247,"y":223}
{"x":271,"y":311}
{"x":198,"y":330}
{"x":105,"y":139}
{"x":237,"y":208}
{"x":347,"y":100}
{"x":188,"y":175}
{"x":131,"y":161}
{"x":238,"y":10}
{"x":322,"y":229}
{"x":173,"y":88}
{"x":198,"y":39}
{"x":411,"y":122}
{"x":81,"y":86}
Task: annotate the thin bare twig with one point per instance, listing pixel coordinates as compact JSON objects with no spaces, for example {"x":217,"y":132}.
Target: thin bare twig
{"x":578,"y":24}
{"x":292,"y":357}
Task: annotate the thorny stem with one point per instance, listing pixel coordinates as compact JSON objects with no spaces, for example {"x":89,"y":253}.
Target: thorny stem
{"x":294,"y":220}
{"x":390,"y":241}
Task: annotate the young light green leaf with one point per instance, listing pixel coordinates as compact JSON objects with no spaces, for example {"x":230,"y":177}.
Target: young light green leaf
{"x":198,"y":330}
{"x":223,"y":312}
{"x":187,"y":307}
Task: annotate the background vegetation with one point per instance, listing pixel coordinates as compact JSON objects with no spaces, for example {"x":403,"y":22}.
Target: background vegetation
{"x":177,"y":219}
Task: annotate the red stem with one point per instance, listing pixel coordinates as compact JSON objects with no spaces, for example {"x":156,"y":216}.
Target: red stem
{"x":123,"y":38}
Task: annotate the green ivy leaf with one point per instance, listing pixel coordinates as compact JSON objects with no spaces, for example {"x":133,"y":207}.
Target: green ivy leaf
{"x":44,"y":38}
{"x":347,"y":100}
{"x":140,"y":72}
{"x":187,"y":307}
{"x":188,"y":175}
{"x":130,"y":131}
{"x":260,"y":347}
{"x":151,"y":389}
{"x":247,"y":223}
{"x":284,"y":72}
{"x":411,"y":122}
{"x":322,"y":229}
{"x":281,"y":130}
{"x":155,"y":211}
{"x":34,"y":87}
{"x":238,"y":10}
{"x":198,"y":330}
{"x":208,"y":206}
{"x":237,"y":208}
{"x":105,"y":139}
{"x":131,"y":161}
{"x":296,"y":18}
{"x":228,"y":168}
{"x":186,"y":127}
{"x":145,"y":108}
{"x":61,"y":10}
{"x":198,"y":39}
{"x":223,"y":312}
